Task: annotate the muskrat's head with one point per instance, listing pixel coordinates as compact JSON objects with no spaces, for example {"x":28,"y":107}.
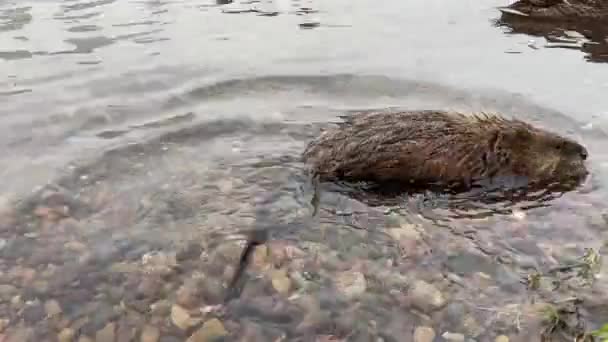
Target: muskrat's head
{"x":542,"y":156}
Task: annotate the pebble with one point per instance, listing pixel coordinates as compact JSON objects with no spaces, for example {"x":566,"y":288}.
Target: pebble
{"x":471,"y":326}
{"x":281,"y":282}
{"x":405,"y":231}
{"x":52,"y":308}
{"x":260,"y":257}
{"x":501,"y":338}
{"x":159,"y":263}
{"x":188,"y":294}
{"x":106,"y":334}
{"x":426,"y":296}
{"x":210,"y":331}
{"x":33,"y":312}
{"x":21,"y":334}
{"x":351,"y":283}
{"x":85,"y":339}
{"x":453,"y":336}
{"x":66,"y":335}
{"x":424,"y":334}
{"x":7,"y":213}
{"x":7,"y":291}
{"x":181,"y":318}
{"x":150,"y":334}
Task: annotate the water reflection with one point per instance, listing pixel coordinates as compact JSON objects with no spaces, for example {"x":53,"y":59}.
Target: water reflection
{"x":126,"y":184}
{"x":83,"y":5}
{"x":587,"y":36}
{"x":14,"y":19}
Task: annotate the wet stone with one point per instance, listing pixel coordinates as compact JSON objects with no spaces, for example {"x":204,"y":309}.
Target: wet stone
{"x":125,"y":331}
{"x":424,"y":334}
{"x":181,"y":318}
{"x":66,"y":335}
{"x":149,"y":288}
{"x":212,"y":291}
{"x":161,"y":308}
{"x":189,"y":294}
{"x":20,"y":334}
{"x":192,"y":251}
{"x":7,"y":291}
{"x":501,"y":338}
{"x":454,"y":312}
{"x":33,"y":313}
{"x":168,"y":338}
{"x":471,"y":326}
{"x":210,"y":331}
{"x":454,"y":337}
{"x":252,"y":332}
{"x":52,"y":308}
{"x":468,"y":263}
{"x":107,"y":334}
{"x":426,"y":296}
{"x":351,"y":283}
{"x":98,"y":319}
{"x":150,"y":334}
{"x":280,"y":281}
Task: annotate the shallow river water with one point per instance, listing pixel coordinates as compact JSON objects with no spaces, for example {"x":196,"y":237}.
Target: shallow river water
{"x":140,"y":139}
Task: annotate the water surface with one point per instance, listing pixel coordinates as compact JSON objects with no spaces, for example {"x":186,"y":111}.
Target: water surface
{"x":138,"y":137}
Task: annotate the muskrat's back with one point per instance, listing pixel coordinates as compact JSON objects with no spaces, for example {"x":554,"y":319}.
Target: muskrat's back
{"x":441,"y":147}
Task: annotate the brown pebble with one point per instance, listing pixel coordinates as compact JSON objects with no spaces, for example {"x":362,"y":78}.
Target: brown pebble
{"x":188,"y":295}
{"x":107,"y":334}
{"x":424,"y":334}
{"x":66,"y":335}
{"x":52,"y":308}
{"x":125,"y":332}
{"x":150,"y":334}
{"x":181,"y":318}
{"x":210,"y":331}
{"x":7,"y":214}
{"x":280,"y":281}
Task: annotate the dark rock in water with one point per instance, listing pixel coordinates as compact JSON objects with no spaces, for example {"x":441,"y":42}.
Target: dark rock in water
{"x":192,"y":251}
{"x":98,"y":319}
{"x":34,"y":313}
{"x":468,"y":263}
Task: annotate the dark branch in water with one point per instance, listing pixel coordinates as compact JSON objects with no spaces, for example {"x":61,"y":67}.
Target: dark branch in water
{"x":256,"y":238}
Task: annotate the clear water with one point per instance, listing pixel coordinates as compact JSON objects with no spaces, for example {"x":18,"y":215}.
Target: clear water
{"x":164,"y":125}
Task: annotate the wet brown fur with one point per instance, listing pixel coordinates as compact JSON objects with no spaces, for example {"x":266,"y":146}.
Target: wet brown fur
{"x":563,"y":9}
{"x":442,"y":147}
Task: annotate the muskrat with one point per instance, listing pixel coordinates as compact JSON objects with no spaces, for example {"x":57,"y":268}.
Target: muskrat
{"x":442,"y":148}
{"x":563,"y":10}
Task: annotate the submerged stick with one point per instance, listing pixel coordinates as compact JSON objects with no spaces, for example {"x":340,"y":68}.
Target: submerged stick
{"x":256,"y":238}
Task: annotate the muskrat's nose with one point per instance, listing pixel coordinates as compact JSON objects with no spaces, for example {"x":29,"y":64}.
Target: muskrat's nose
{"x":584,"y":154}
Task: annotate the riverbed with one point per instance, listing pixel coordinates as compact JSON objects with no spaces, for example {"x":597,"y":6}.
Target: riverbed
{"x":141,"y":139}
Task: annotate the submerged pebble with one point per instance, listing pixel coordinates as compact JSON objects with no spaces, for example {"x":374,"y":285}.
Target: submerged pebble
{"x":210,"y":331}
{"x":426,"y":296}
{"x":350,"y":283}
{"x":424,"y":334}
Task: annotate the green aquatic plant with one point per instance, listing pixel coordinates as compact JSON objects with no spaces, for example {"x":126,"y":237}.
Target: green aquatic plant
{"x":601,"y":333}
